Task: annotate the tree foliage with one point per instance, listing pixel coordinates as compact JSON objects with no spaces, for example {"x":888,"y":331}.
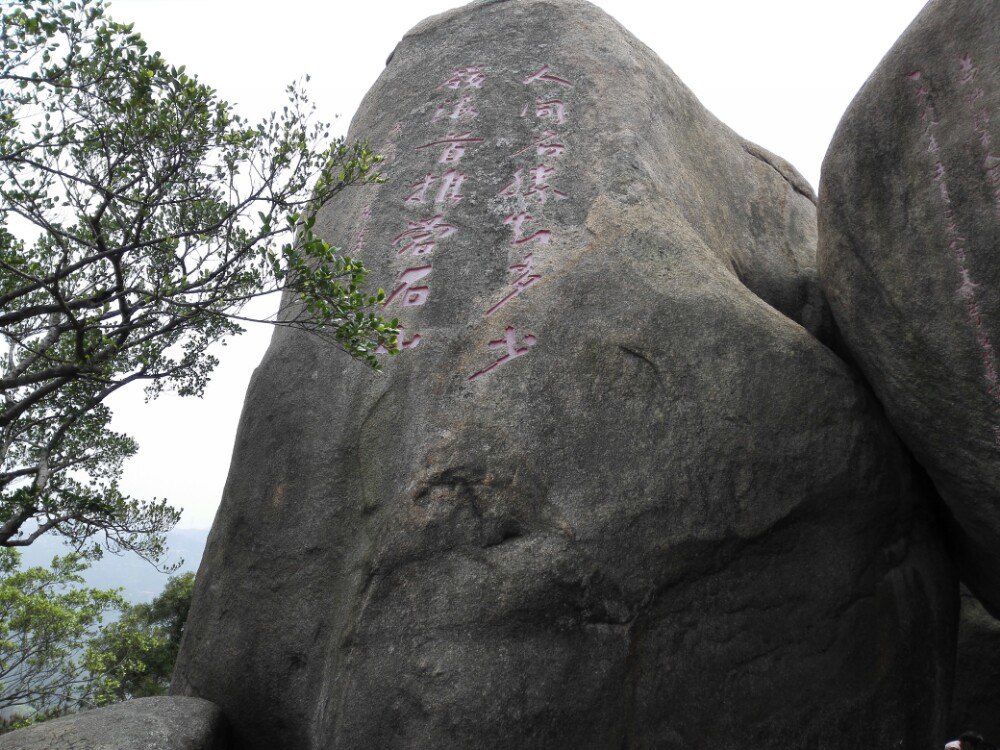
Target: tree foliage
{"x":137,"y":653}
{"x":65,"y":646}
{"x":139,"y":214}
{"x":48,"y":622}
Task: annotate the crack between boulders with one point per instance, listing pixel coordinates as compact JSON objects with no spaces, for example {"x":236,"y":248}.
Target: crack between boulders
{"x":797,"y":182}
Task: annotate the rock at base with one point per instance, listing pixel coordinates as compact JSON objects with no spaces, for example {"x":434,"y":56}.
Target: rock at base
{"x":975,"y":704}
{"x":160,"y":723}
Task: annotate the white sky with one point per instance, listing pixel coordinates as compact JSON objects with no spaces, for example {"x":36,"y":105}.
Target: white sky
{"x":779,"y":72}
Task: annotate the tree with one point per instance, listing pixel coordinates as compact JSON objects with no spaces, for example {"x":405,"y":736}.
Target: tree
{"x":58,"y":655}
{"x":156,"y":214}
{"x":48,"y":621}
{"x":136,"y":654}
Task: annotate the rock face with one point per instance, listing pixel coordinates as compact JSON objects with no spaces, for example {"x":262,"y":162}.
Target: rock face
{"x":976,"y":701}
{"x":614,"y":493}
{"x":909,"y":231}
{"x":161,"y":723}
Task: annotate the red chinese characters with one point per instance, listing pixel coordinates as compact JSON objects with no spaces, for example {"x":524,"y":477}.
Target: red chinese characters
{"x":553,"y":109}
{"x":980,"y":117}
{"x":527,"y":200}
{"x":545,"y":74}
{"x":547,"y":144}
{"x":454,"y":146}
{"x":525,"y":277}
{"x":402,"y":342}
{"x":532,"y":183}
{"x":517,"y":222}
{"x":407,"y":291}
{"x":420,"y":237}
{"x":448,"y":193}
{"x":957,"y":243}
{"x":509,"y":344}
{"x":442,"y":189}
{"x":460,"y":109}
{"x":469,"y":77}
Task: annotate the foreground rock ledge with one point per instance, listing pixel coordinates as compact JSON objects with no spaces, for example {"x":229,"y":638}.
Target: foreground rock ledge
{"x":976,"y":698}
{"x":909,"y":233}
{"x":615,"y":493}
{"x":161,"y":723}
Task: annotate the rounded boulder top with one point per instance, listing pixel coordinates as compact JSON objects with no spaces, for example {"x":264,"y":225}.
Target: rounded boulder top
{"x":909,"y":231}
{"x":614,"y":491}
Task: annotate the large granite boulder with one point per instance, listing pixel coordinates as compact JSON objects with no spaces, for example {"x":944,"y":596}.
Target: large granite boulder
{"x":976,"y":700}
{"x":909,"y":232}
{"x":614,"y":493}
{"x":161,"y":723}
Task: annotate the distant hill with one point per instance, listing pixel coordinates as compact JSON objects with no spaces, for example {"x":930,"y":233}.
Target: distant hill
{"x":140,"y":580}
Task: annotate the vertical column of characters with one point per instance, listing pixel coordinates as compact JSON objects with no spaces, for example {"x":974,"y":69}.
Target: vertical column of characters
{"x":968,"y":289}
{"x":527,"y":194}
{"x":388,"y":153}
{"x":436,"y":191}
{"x":980,"y":114}
{"x":974,"y":96}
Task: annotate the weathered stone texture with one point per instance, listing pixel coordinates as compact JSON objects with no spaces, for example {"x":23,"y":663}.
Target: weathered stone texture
{"x":909,"y":231}
{"x":976,"y":702}
{"x":161,"y":723}
{"x":668,"y":517}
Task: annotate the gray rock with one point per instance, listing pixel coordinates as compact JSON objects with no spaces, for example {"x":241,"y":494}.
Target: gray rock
{"x":161,"y":723}
{"x":975,"y":704}
{"x":623,"y":498}
{"x":909,"y":231}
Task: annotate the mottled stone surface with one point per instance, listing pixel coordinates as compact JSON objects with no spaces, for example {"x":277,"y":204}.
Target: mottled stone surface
{"x":909,"y":232}
{"x":617,"y":494}
{"x":976,"y":702}
{"x":161,"y":723}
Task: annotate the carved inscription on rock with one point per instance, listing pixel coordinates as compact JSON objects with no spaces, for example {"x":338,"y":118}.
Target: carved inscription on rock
{"x":447,"y":181}
{"x":968,"y":290}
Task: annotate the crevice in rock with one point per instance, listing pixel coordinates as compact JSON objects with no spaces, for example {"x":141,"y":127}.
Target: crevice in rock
{"x":798,"y":183}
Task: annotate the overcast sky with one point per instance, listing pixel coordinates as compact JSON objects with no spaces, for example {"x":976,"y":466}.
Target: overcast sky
{"x":779,"y":72}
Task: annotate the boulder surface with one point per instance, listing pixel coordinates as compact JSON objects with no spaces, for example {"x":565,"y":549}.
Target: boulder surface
{"x":909,"y":231}
{"x":975,"y":705}
{"x":160,"y":723}
{"x":615,"y":492}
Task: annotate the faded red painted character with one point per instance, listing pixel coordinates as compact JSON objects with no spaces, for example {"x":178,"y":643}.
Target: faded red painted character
{"x":359,"y":238}
{"x":544,"y":74}
{"x":469,"y":77}
{"x":980,"y":117}
{"x":509,"y":343}
{"x":525,"y":278}
{"x":462,"y":109}
{"x":406,"y":292}
{"x":420,"y":237}
{"x":968,"y":69}
{"x":389,"y":153}
{"x":454,"y":146}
